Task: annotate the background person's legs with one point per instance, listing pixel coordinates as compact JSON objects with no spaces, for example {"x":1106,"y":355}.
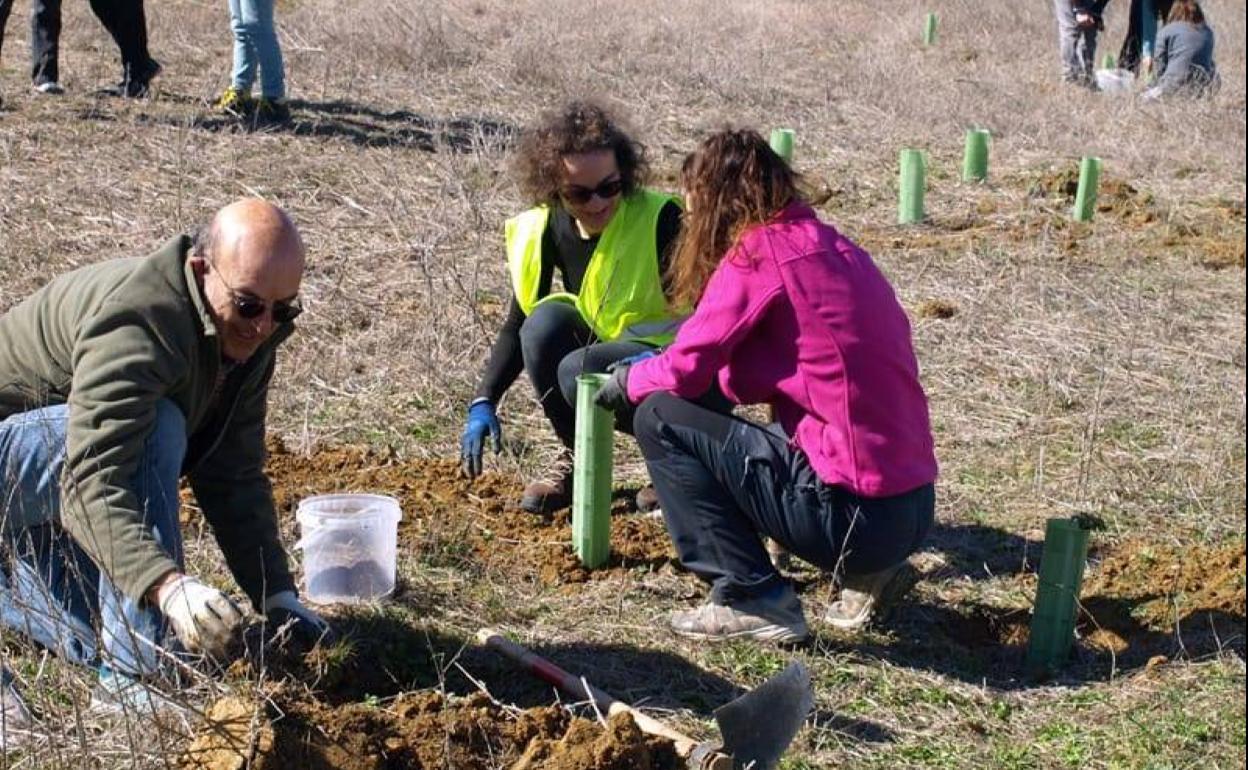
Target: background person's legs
{"x":1076,"y":45}
{"x":244,"y":75}
{"x":255,"y":41}
{"x":126,"y":22}
{"x":45,"y":37}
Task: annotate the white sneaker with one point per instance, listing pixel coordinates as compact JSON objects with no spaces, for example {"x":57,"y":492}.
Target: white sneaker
{"x":779,"y":620}
{"x":49,"y":87}
{"x":863,"y":596}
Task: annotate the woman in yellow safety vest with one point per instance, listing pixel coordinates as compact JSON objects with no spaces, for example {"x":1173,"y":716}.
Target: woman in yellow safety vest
{"x":608,"y":238}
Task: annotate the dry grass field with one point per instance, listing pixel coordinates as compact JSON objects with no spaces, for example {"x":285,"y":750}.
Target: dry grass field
{"x":1072,"y":368}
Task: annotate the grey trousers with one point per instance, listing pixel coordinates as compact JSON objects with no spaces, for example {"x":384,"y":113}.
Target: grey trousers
{"x":1077,"y":45}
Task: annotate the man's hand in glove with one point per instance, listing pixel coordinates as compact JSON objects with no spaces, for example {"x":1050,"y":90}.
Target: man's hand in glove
{"x":289,"y":617}
{"x":203,"y":618}
{"x":613,"y":394}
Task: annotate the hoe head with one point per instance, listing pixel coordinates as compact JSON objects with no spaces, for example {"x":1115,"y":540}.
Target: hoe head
{"x":757,"y":727}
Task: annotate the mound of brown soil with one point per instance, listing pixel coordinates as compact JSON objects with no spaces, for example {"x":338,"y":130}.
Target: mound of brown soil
{"x":448,"y":518}
{"x":1113,"y":196}
{"x":416,"y":730}
{"x":1140,"y":602}
{"x":1165,"y":583}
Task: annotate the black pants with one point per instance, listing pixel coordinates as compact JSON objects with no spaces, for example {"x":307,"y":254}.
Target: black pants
{"x":557,"y":346}
{"x":723,"y":482}
{"x":124,"y":20}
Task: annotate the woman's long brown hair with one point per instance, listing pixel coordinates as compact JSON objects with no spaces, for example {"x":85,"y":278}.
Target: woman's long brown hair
{"x":732,"y":182}
{"x":1186,"y":10}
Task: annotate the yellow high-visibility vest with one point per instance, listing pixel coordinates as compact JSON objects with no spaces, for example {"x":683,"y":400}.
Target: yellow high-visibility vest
{"x":622,"y":287}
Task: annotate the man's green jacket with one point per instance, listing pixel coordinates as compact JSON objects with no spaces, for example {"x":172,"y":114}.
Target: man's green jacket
{"x":111,"y":340}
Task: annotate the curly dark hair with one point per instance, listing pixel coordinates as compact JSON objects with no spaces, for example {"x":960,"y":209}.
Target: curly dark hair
{"x":581,"y":126}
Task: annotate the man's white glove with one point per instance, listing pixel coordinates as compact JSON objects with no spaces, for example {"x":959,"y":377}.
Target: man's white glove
{"x":287,"y":615}
{"x":204,"y":619}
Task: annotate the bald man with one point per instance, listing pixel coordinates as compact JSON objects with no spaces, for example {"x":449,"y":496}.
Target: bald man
{"x":116,"y":380}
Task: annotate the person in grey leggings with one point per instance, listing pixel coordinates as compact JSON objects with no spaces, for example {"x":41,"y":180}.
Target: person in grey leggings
{"x":1078,"y":22}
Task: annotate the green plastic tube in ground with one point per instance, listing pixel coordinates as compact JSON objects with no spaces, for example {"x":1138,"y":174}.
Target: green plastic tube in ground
{"x":782,"y":143}
{"x":911,"y":187}
{"x":1108,"y":62}
{"x":975,"y":159}
{"x":1057,"y":596}
{"x":1085,"y":196}
{"x":929,"y":29}
{"x":591,"y":474}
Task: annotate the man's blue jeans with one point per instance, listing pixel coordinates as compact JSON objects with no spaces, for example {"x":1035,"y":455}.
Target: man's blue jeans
{"x":256,"y":46}
{"x":50,"y":589}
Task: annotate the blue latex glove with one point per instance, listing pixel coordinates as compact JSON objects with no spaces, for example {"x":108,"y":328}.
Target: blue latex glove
{"x":482,"y":419}
{"x":634,"y":358}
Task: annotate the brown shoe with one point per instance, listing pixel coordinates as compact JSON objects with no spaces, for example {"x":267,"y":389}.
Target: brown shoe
{"x":550,"y":495}
{"x":647,"y":499}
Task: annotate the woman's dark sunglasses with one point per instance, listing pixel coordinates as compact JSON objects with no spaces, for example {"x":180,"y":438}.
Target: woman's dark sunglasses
{"x":252,"y":307}
{"x":581,"y":195}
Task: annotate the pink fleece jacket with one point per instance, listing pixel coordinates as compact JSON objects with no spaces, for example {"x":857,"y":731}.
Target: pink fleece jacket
{"x":799,"y":317}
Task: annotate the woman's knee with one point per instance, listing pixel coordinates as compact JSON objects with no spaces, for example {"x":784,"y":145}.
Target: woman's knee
{"x":548,"y":324}
{"x":649,"y":422}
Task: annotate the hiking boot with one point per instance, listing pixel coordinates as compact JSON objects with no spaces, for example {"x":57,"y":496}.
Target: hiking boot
{"x":647,"y":499}
{"x":49,"y":88}
{"x":272,"y":110}
{"x":235,"y":102}
{"x":548,"y":496}
{"x":777,"y":619}
{"x":863,"y":597}
{"x":15,"y":718}
{"x":118,"y":693}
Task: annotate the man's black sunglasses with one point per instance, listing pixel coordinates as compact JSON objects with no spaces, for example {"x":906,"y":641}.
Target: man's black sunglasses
{"x":581,"y":195}
{"x":251,"y":307}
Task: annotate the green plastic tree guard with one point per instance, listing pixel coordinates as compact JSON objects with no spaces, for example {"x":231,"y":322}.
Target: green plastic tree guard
{"x":929,"y":29}
{"x":1085,"y":196}
{"x":975,"y":159}
{"x":911,"y":188}
{"x":591,"y":474}
{"x":782,"y":143}
{"x":1108,"y":62}
{"x":1057,"y":596}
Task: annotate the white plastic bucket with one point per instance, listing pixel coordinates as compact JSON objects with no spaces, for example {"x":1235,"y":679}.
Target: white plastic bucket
{"x":1115,"y":81}
{"x":349,"y":544}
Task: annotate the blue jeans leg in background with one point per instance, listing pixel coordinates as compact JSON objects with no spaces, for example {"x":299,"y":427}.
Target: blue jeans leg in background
{"x":50,"y":590}
{"x":255,"y":45}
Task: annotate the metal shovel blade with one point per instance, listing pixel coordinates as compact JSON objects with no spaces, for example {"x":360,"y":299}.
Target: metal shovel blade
{"x":757,"y":727}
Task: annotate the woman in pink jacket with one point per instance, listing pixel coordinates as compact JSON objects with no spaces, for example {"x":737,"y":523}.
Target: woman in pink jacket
{"x":792,"y":314}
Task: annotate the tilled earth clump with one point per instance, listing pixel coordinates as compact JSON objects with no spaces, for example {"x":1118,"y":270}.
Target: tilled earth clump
{"x":415,"y":731}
